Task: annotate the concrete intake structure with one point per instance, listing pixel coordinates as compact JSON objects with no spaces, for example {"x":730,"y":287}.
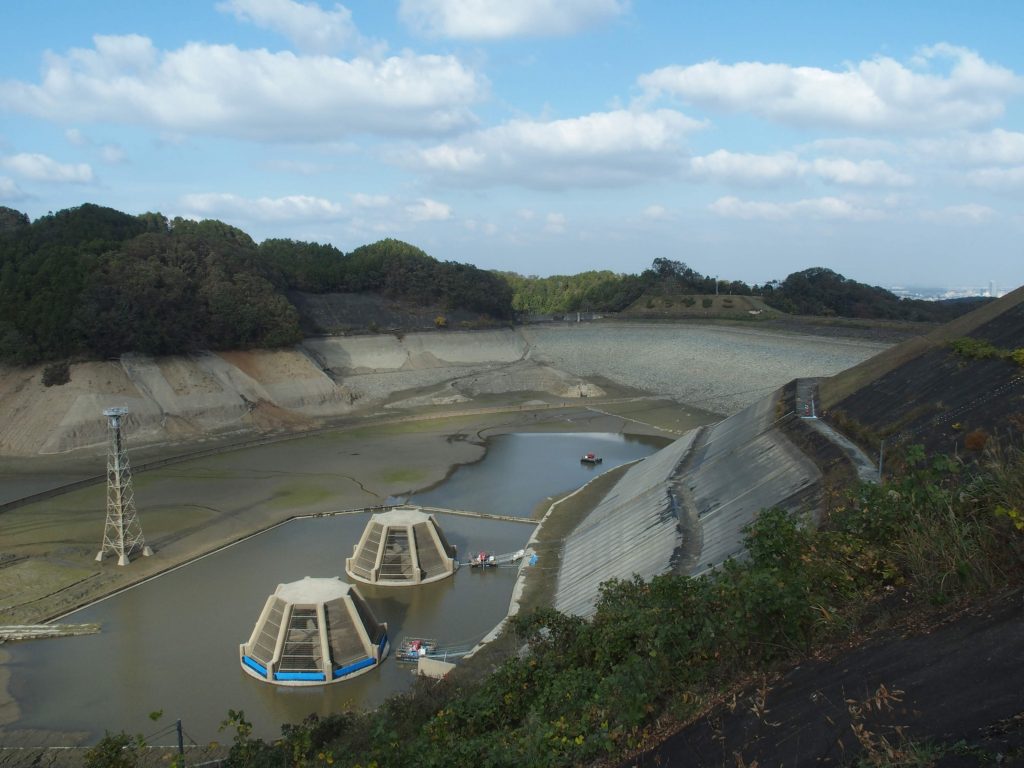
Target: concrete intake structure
{"x":402,"y":547}
{"x":312,"y":632}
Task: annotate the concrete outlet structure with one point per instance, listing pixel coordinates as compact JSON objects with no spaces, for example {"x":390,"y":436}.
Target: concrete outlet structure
{"x":402,"y":547}
{"x":312,"y":632}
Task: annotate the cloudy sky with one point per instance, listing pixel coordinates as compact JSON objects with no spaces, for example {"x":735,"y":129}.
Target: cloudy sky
{"x":884,"y":140}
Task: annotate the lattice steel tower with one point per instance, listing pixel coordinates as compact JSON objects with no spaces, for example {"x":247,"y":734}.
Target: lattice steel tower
{"x":122,"y":535}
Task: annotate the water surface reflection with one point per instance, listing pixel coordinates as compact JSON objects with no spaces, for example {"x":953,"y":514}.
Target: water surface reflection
{"x":171,"y":644}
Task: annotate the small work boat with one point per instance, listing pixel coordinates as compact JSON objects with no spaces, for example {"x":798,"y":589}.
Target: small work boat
{"x":590,"y":458}
{"x":413,"y":649}
{"x":483,"y":560}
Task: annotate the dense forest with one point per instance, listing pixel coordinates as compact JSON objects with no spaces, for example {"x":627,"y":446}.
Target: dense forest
{"x":95,"y":282}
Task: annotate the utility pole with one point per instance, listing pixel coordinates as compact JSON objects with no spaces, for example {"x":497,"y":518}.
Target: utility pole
{"x":181,"y":745}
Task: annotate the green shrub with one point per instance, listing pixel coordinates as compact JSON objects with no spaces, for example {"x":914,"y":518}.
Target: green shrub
{"x":706,"y":303}
{"x":115,"y":750}
{"x":975,"y":349}
{"x":56,"y":374}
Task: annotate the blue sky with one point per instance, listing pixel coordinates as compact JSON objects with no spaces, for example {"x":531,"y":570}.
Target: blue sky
{"x":884,"y":140}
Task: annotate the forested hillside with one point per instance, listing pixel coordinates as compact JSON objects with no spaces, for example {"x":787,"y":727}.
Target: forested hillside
{"x":607,"y":291}
{"x":816,"y":291}
{"x":820,"y":291}
{"x":95,"y":282}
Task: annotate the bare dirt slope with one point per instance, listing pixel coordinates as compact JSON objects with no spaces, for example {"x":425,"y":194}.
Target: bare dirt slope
{"x":187,"y":398}
{"x":191,"y":398}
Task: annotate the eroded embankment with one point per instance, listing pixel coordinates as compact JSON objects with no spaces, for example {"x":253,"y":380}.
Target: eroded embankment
{"x":189,"y":398}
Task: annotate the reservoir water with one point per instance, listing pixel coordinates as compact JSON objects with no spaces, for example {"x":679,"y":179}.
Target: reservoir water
{"x":171,"y":644}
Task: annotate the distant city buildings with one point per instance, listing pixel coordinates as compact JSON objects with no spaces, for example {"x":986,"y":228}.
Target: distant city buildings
{"x":938,"y":294}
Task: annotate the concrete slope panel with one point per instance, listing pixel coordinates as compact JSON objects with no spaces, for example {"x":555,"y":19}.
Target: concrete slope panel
{"x":730,"y":492}
{"x":634,"y":530}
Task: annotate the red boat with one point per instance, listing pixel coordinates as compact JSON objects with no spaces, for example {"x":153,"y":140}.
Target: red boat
{"x":590,"y":458}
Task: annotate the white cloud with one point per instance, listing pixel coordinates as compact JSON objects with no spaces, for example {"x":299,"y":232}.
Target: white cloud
{"x":996,"y":147}
{"x":998,"y":178}
{"x":876,"y":94}
{"x":254,"y":94}
{"x":307,"y":25}
{"x":723,"y":166}
{"x":287,"y":208}
{"x":814,"y":208}
{"x":554,"y":223}
{"x":426,"y":209}
{"x":656,"y":213}
{"x":9,"y":190}
{"x":968,"y":213}
{"x":601,"y":149}
{"x":495,"y":19}
{"x":865,"y":173}
{"x":36,"y":167}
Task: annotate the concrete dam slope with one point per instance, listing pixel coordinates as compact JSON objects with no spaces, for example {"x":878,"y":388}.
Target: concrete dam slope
{"x":188,"y":398}
{"x":634,"y":530}
{"x":684,"y":508}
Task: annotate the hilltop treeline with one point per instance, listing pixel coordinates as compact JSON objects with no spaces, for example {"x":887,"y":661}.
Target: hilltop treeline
{"x":391,"y":268}
{"x":605,"y":291}
{"x":820,"y":291}
{"x":95,"y":282}
{"x":816,"y":291}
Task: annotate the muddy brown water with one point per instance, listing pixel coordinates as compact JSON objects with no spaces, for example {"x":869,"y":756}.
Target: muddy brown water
{"x":171,"y":644}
